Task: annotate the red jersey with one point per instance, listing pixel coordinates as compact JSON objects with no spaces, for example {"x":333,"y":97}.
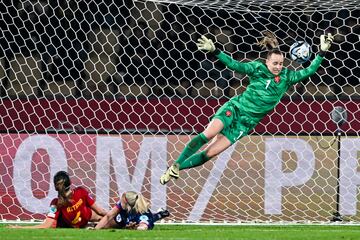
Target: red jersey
{"x":76,"y":214}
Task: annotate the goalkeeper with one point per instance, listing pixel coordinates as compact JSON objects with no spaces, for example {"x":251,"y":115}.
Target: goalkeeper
{"x":268,"y":82}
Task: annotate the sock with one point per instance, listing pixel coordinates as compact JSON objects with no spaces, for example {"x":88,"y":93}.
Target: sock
{"x":160,"y":215}
{"x":195,"y":160}
{"x":156,"y":217}
{"x":192,"y":147}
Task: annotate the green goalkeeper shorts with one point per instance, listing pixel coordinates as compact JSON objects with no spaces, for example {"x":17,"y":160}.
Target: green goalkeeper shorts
{"x":236,"y":124}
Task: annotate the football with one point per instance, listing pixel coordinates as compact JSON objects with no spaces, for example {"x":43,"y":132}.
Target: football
{"x":300,"y":52}
{"x":339,"y":115}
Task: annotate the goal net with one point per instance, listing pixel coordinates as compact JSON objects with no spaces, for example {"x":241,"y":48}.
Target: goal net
{"x":111,"y":91}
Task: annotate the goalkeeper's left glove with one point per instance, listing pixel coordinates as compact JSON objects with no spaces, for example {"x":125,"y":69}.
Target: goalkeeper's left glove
{"x":205,"y":44}
{"x":326,"y":41}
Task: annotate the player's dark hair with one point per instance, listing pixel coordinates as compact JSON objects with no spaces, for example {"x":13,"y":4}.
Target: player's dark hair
{"x":62,"y":186}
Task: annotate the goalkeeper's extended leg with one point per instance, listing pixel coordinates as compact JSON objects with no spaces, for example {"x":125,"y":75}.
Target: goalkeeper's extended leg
{"x":214,"y":128}
{"x":192,"y":147}
{"x":220,"y":144}
{"x":193,"y":161}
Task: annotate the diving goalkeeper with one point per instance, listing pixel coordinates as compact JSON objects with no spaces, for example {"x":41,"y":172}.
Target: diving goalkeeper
{"x":268,"y":82}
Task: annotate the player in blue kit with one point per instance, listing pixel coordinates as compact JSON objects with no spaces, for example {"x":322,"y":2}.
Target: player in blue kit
{"x":132,"y":211}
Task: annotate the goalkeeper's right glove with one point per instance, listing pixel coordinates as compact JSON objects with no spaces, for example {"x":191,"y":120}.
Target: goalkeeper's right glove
{"x":325,"y":42}
{"x":205,"y":44}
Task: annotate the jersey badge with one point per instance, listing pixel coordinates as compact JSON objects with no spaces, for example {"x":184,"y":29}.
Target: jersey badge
{"x":228,"y":113}
{"x":144,"y":219}
{"x":52,"y":211}
{"x":118,"y":218}
{"x":277,"y":79}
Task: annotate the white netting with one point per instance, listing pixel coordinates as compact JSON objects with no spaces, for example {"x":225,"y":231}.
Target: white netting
{"x":111,"y":91}
{"x":263,"y":6}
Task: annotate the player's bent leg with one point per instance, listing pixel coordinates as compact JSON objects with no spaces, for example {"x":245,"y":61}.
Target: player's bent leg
{"x":192,"y":147}
{"x":195,"y":160}
{"x":213,"y":129}
{"x":161,"y":213}
{"x":217,"y":146}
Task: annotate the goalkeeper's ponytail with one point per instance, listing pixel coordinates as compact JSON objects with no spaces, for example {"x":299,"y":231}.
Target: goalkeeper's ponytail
{"x":270,"y":43}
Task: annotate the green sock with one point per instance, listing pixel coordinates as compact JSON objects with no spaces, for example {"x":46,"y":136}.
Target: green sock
{"x":195,"y":160}
{"x":192,"y":147}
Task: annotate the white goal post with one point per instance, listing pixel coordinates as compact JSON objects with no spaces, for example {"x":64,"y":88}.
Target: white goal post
{"x":111,"y":91}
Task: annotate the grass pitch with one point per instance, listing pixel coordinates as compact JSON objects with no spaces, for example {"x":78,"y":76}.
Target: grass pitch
{"x":185,"y":232}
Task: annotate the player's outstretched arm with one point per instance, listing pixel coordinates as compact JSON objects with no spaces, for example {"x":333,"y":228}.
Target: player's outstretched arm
{"x":208,"y":45}
{"x":99,"y":210}
{"x":104,"y":222}
{"x":325,"y":44}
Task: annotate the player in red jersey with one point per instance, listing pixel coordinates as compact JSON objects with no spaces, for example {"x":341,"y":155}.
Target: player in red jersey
{"x":73,"y":208}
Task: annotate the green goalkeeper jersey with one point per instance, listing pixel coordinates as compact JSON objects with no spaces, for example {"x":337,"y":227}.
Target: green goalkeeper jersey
{"x":265,"y":89}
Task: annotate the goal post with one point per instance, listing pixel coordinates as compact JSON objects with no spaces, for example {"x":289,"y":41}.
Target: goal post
{"x":111,"y":91}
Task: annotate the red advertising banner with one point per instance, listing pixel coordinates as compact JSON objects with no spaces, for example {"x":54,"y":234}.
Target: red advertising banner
{"x":39,"y":115}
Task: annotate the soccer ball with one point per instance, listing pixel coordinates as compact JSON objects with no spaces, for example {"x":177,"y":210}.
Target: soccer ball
{"x":339,"y":115}
{"x":300,"y":52}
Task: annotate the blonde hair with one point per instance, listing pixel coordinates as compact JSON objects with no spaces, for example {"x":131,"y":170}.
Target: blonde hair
{"x":269,"y":41}
{"x":136,"y":201}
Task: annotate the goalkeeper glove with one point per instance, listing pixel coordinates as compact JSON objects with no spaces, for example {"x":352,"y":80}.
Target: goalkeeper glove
{"x":205,"y":44}
{"x":325,"y":42}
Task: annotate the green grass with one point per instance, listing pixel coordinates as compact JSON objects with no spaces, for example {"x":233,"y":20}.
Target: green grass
{"x":184,"y":232}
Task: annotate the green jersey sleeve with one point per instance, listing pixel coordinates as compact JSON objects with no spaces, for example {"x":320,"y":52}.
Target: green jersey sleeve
{"x":297,"y":76}
{"x":265,"y":89}
{"x":246,"y":68}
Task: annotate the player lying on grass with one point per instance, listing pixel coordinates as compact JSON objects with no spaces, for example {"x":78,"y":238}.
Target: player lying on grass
{"x":268,"y":82}
{"x":73,"y":208}
{"x":132,"y":211}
